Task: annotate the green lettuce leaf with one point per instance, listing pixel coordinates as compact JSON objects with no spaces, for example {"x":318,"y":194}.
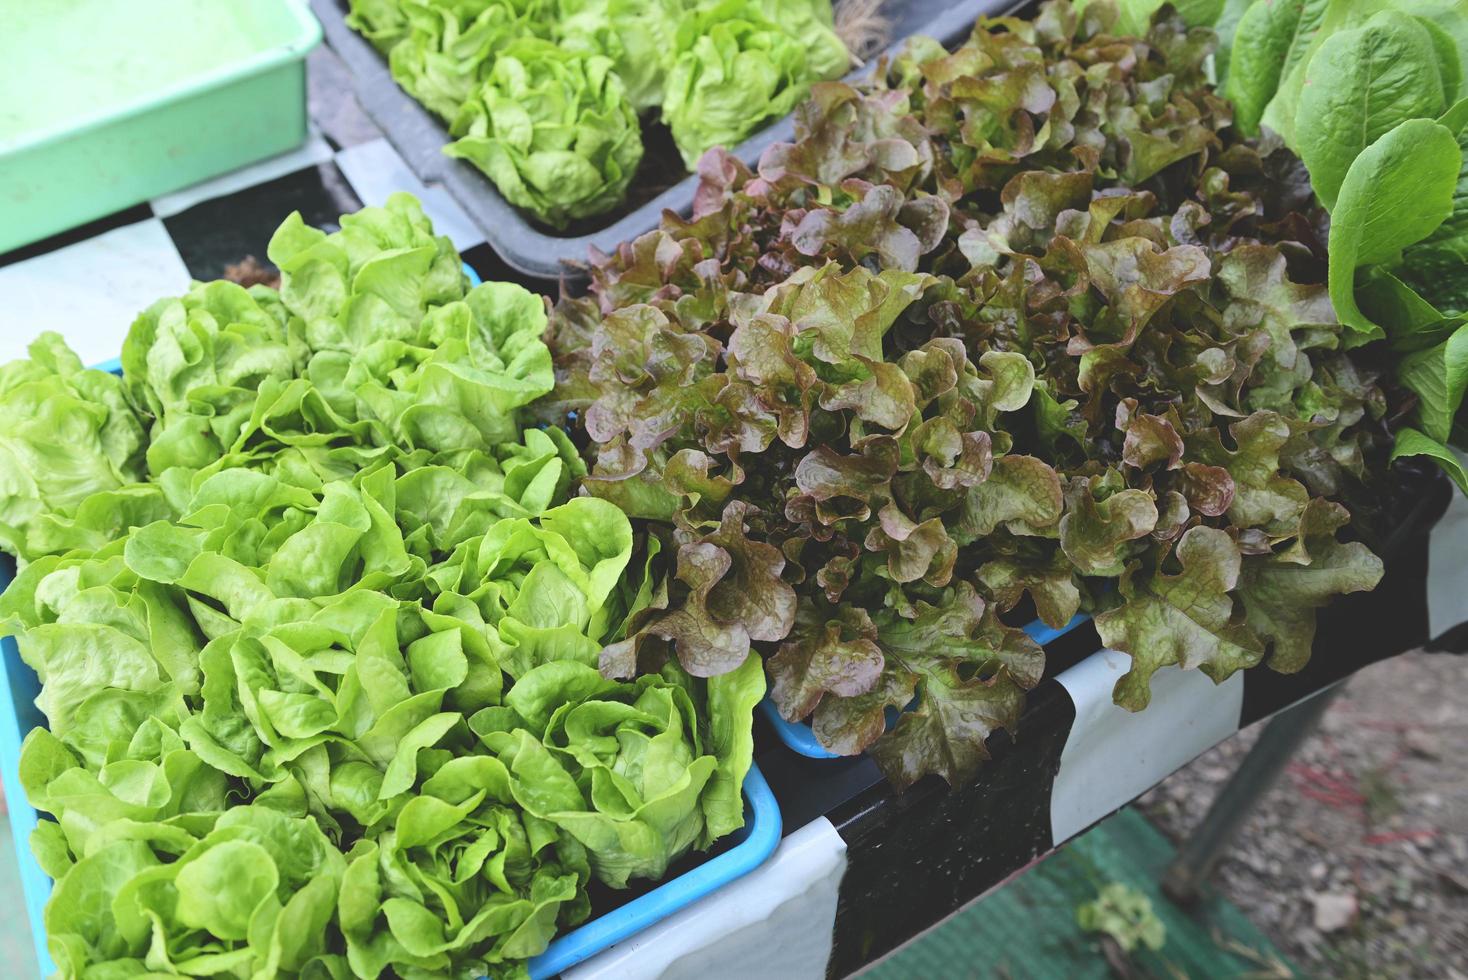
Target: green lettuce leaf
{"x":1410,"y":442}
{"x":736,"y":68}
{"x":1439,"y":376}
{"x":383,"y":22}
{"x":1434,"y":266}
{"x":637,"y":37}
{"x":449,"y":47}
{"x":317,"y":618}
{"x":626,"y":769}
{"x":71,"y":444}
{"x":1359,"y":85}
{"x":1396,"y":193}
{"x":553,"y":128}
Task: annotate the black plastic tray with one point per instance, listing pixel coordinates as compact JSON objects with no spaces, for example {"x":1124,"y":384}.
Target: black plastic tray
{"x":420,"y":137}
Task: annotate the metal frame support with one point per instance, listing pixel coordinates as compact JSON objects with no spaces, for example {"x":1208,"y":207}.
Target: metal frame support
{"x":1256,"y":775}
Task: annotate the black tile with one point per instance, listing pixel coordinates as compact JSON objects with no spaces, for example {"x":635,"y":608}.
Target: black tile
{"x":128,"y":216}
{"x":491,"y":268}
{"x":220,"y":232}
{"x":1064,"y":652}
{"x":809,"y":788}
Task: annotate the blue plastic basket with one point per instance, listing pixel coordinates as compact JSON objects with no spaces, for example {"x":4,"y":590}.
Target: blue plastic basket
{"x":755,"y":842}
{"x":798,"y":737}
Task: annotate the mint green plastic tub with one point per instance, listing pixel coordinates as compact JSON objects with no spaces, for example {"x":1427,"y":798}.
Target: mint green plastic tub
{"x":106,"y":103}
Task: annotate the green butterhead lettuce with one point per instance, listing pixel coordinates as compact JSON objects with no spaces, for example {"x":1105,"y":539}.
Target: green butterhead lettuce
{"x":737,"y":68}
{"x":195,"y":363}
{"x":457,"y":384}
{"x":317,"y":620}
{"x":623,"y":768}
{"x":638,"y":36}
{"x":554,"y":129}
{"x":382,"y":22}
{"x":71,"y":447}
{"x":543,"y":95}
{"x":544,"y":588}
{"x":373,"y":280}
{"x":451,"y":44}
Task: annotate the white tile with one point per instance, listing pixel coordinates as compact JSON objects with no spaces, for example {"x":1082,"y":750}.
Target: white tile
{"x":1113,"y":755}
{"x":89,"y":292}
{"x":315,"y":150}
{"x":375,"y":170}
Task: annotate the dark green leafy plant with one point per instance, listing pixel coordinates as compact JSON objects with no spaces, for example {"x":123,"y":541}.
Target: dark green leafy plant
{"x":1373,"y":97}
{"x":1019,"y":324}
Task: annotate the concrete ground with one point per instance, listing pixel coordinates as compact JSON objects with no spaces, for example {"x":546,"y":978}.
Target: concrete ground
{"x":1356,"y":864}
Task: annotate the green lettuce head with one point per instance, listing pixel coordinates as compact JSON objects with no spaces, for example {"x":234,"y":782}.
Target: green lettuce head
{"x":244,"y":892}
{"x":283,"y":583}
{"x":372,"y":280}
{"x":383,"y":22}
{"x":375,"y":345}
{"x":71,"y":454}
{"x":738,"y":67}
{"x":464,"y":879}
{"x":450,"y":45}
{"x":637,"y":36}
{"x":458,"y":383}
{"x":625,"y":768}
{"x":553,"y":129}
{"x":195,"y":364}
{"x":543,"y":588}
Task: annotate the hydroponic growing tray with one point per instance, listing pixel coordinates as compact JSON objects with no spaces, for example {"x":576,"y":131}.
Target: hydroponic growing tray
{"x":752,"y":844}
{"x":420,"y":137}
{"x":106,"y":104}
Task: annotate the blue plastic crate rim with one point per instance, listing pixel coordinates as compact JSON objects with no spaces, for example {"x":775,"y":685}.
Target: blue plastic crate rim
{"x":799,"y":738}
{"x":754,"y":843}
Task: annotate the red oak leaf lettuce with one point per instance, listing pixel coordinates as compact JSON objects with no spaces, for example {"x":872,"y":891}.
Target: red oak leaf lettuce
{"x":1022,"y":326}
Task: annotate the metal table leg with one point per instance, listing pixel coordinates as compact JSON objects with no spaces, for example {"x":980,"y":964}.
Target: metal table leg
{"x":1254,"y":777}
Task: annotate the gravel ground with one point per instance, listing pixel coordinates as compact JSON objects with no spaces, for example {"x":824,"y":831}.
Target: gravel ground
{"x":1356,"y":863}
